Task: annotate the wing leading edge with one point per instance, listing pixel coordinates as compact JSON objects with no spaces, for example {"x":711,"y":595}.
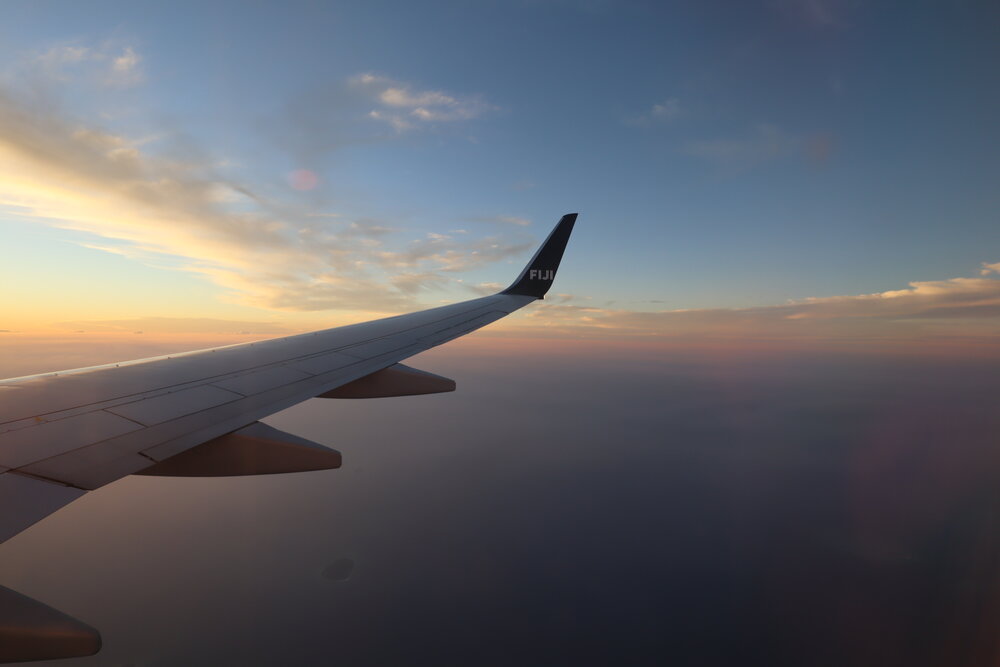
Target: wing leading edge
{"x":64,"y":433}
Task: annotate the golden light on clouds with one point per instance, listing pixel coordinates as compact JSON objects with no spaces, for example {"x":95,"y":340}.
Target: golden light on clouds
{"x":158,"y":210}
{"x":959,"y":311}
{"x":245,"y":256}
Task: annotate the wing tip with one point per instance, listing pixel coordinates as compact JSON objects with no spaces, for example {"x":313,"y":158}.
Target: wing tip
{"x":536,"y":278}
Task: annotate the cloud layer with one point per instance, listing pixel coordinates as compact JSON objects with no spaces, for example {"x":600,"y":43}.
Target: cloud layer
{"x":955,"y":309}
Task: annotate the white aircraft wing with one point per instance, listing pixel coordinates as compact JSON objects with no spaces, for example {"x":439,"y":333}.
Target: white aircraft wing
{"x":196,"y":414}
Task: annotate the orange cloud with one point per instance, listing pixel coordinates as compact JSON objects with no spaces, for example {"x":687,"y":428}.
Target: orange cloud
{"x":958,"y":310}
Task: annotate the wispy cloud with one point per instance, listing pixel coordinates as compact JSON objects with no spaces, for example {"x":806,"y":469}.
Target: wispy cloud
{"x":176,"y":325}
{"x":450,"y":254}
{"x":365,"y":109}
{"x":125,"y":68}
{"x":501,"y":220}
{"x":405,"y":107}
{"x":990,"y":268}
{"x":108,"y":63}
{"x":412,"y":283}
{"x":662,"y":112}
{"x":485,"y":289}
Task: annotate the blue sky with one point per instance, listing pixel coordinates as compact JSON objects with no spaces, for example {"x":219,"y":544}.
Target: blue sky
{"x":721,"y":155}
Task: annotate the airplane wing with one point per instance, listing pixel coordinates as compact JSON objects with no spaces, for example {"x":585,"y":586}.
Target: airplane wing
{"x":196,"y":414}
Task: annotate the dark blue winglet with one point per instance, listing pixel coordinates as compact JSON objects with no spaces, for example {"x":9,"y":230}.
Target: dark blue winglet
{"x":538,"y":275}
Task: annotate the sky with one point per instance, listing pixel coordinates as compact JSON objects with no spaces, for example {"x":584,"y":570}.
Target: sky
{"x":812,"y":170}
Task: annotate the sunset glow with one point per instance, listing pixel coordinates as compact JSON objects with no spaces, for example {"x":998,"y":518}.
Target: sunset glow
{"x":413,"y":190}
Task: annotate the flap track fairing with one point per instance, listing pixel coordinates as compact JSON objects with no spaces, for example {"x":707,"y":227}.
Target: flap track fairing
{"x":396,"y":380}
{"x":257,"y":449}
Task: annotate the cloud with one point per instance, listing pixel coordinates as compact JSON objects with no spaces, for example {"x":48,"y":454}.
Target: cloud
{"x":411,"y":283}
{"x":451,"y":255}
{"x":107,"y":64}
{"x":513,"y":220}
{"x":361,"y":110}
{"x":662,"y":112}
{"x":177,"y":325}
{"x":58,"y":57}
{"x":404,"y":107}
{"x":666,"y":110}
{"x":956,"y":308}
{"x":396,"y":121}
{"x":127,"y":62}
{"x":501,"y":220}
{"x":168,"y":212}
{"x":485,"y":289}
{"x":125,"y":69}
{"x":964,"y":297}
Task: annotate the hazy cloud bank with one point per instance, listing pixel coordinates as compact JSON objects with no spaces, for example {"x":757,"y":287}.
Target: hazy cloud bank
{"x":955,"y":309}
{"x":196,"y":325}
